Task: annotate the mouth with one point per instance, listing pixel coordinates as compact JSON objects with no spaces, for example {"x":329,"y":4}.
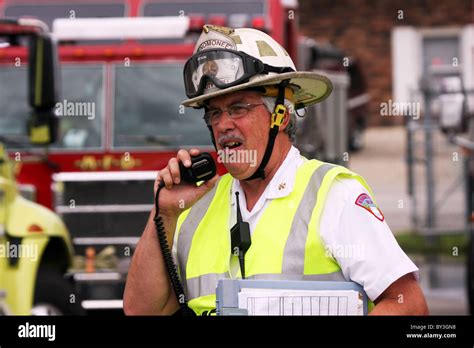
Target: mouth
{"x":231,"y":144}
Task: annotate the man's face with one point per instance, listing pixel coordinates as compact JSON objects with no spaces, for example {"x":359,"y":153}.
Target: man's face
{"x":251,"y":131}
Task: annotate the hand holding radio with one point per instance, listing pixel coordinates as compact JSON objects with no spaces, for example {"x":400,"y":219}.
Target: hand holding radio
{"x":176,"y":190}
{"x":179,"y":177}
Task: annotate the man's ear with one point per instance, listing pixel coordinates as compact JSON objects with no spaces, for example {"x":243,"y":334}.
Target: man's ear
{"x":286,"y":121}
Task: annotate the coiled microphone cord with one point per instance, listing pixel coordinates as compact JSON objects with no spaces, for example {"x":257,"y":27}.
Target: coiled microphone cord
{"x":168,"y":259}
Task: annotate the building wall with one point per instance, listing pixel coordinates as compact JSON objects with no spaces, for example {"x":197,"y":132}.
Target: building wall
{"x":362,"y":29}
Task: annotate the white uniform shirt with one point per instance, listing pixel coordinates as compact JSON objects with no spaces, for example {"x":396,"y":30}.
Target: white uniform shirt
{"x":362,"y":244}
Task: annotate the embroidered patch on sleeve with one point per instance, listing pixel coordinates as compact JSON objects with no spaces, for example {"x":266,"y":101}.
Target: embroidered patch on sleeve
{"x":366,"y":202}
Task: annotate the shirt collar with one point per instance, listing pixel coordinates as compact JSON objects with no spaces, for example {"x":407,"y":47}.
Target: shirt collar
{"x":282,"y":182}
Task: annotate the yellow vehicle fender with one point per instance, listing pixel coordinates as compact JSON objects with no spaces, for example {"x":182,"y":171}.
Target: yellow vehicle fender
{"x":28,"y":219}
{"x":35,"y":227}
{"x":19,"y":280}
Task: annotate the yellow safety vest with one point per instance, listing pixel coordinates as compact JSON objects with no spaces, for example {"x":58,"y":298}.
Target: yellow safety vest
{"x":285,"y":243}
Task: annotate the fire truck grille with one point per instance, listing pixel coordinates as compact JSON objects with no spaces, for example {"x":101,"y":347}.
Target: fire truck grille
{"x":126,"y":224}
{"x":96,"y":209}
{"x":107,"y":192}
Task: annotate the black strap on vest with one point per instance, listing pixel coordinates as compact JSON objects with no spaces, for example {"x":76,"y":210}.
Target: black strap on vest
{"x":278,"y":116}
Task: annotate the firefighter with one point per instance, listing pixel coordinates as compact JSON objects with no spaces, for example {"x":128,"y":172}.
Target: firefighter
{"x":308,"y":220}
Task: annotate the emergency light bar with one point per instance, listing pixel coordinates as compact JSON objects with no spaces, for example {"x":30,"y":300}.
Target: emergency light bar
{"x":120,"y":28}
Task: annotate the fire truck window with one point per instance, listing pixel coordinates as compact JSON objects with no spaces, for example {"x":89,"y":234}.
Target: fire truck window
{"x":236,"y":13}
{"x":14,"y":106}
{"x":227,"y":8}
{"x":48,"y":12}
{"x":148,"y":111}
{"x":80,"y":107}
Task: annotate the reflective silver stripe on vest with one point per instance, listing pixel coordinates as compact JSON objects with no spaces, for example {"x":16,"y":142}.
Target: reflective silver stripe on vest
{"x":204,"y":285}
{"x":293,"y":260}
{"x":189,"y":227}
{"x":335,"y":277}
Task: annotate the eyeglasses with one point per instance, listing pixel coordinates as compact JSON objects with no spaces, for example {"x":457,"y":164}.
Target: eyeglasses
{"x":234,"y":111}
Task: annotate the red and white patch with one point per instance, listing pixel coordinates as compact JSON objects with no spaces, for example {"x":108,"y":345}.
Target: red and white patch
{"x":366,"y":202}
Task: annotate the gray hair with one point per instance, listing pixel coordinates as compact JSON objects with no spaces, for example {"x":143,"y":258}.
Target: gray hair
{"x":291,"y":128}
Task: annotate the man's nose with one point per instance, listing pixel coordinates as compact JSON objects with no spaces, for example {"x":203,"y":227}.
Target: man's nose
{"x":224,"y":122}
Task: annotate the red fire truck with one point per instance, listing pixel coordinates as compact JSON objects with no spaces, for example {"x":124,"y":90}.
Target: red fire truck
{"x":120,"y":117}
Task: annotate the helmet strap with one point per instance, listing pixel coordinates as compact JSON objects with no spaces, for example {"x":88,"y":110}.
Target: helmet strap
{"x":277,"y":118}
{"x":212,"y":137}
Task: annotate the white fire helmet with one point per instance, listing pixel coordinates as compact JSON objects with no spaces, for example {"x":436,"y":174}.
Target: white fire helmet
{"x":227,"y":60}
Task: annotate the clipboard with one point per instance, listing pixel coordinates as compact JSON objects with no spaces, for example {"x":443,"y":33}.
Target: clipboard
{"x":228,"y":290}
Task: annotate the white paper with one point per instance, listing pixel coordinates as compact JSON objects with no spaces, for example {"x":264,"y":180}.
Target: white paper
{"x":300,"y":302}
